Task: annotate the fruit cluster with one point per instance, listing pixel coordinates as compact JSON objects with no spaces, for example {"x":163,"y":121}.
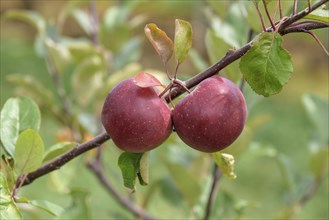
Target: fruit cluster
{"x":208,"y":119}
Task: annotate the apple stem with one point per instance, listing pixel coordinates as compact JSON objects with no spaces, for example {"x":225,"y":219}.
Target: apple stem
{"x":170,"y":100}
{"x":180,"y":83}
{"x":165,"y":90}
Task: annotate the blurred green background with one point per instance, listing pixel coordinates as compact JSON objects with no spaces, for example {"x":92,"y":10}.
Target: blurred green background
{"x":273,"y":168}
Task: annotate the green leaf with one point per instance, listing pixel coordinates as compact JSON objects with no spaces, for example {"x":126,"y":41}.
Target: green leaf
{"x":9,"y":124}
{"x":29,"y":151}
{"x":320,"y":14}
{"x":319,"y":161}
{"x":80,"y":208}
{"x":129,"y":164}
{"x":47,"y":206}
{"x":143,"y":174}
{"x":317,"y":109}
{"x":266,"y":66}
{"x":17,"y":115}
{"x":217,"y":47}
{"x":83,"y":20}
{"x":198,"y":61}
{"x":6,"y":168}
{"x":160,"y":41}
{"x":8,"y":208}
{"x":186,"y":183}
{"x":29,"y":114}
{"x":31,"y":17}
{"x":233,"y":28}
{"x":183,"y":39}
{"x":226,"y":163}
{"x":57,"y":150}
{"x":169,"y":191}
{"x":87,"y":79}
{"x":27,"y":85}
{"x":59,"y":54}
{"x":129,"y":52}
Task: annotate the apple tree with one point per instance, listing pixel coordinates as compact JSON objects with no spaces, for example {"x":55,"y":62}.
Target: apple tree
{"x":101,"y":133}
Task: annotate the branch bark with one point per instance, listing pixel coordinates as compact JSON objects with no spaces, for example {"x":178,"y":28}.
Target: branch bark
{"x":63,"y":159}
{"x":96,"y":169}
{"x":213,"y":191}
{"x":231,"y":56}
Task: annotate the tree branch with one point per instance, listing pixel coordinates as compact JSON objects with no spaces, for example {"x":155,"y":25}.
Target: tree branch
{"x":95,"y":167}
{"x":304,"y":26}
{"x":300,"y":15}
{"x":230,"y":57}
{"x":63,"y":159}
{"x":233,"y":55}
{"x":213,"y":191}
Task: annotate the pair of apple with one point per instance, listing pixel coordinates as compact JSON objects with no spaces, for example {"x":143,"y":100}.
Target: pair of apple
{"x":208,"y":119}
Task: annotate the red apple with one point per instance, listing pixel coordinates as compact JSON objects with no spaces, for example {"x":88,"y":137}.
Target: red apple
{"x":212,"y":116}
{"x":136,"y":119}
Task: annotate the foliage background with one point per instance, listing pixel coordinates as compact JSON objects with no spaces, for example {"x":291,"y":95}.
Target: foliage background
{"x":260,"y":191}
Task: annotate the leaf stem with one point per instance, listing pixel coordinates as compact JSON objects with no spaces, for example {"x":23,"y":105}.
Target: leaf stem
{"x":268,"y":15}
{"x":18,"y":186}
{"x":295,"y":7}
{"x":309,"y":5}
{"x":318,"y":40}
{"x":300,"y":15}
{"x":230,"y":57}
{"x":280,"y":9}
{"x":276,"y":8}
{"x":260,"y":15}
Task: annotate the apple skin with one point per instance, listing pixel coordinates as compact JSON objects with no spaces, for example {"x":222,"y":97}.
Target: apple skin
{"x":212,"y":116}
{"x":136,"y":119}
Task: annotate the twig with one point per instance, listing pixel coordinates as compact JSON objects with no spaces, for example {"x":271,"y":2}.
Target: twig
{"x":94,"y":22}
{"x":310,"y":192}
{"x":300,"y":15}
{"x":268,"y":15}
{"x":260,"y":15}
{"x":280,"y":9}
{"x":58,"y":84}
{"x":213,"y":191}
{"x":233,"y":55}
{"x":276,"y":8}
{"x":230,"y":57}
{"x":63,"y":159}
{"x":318,"y":40}
{"x":66,"y":103}
{"x":304,"y":26}
{"x":309,"y":5}
{"x":124,"y":202}
{"x":295,"y":7}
